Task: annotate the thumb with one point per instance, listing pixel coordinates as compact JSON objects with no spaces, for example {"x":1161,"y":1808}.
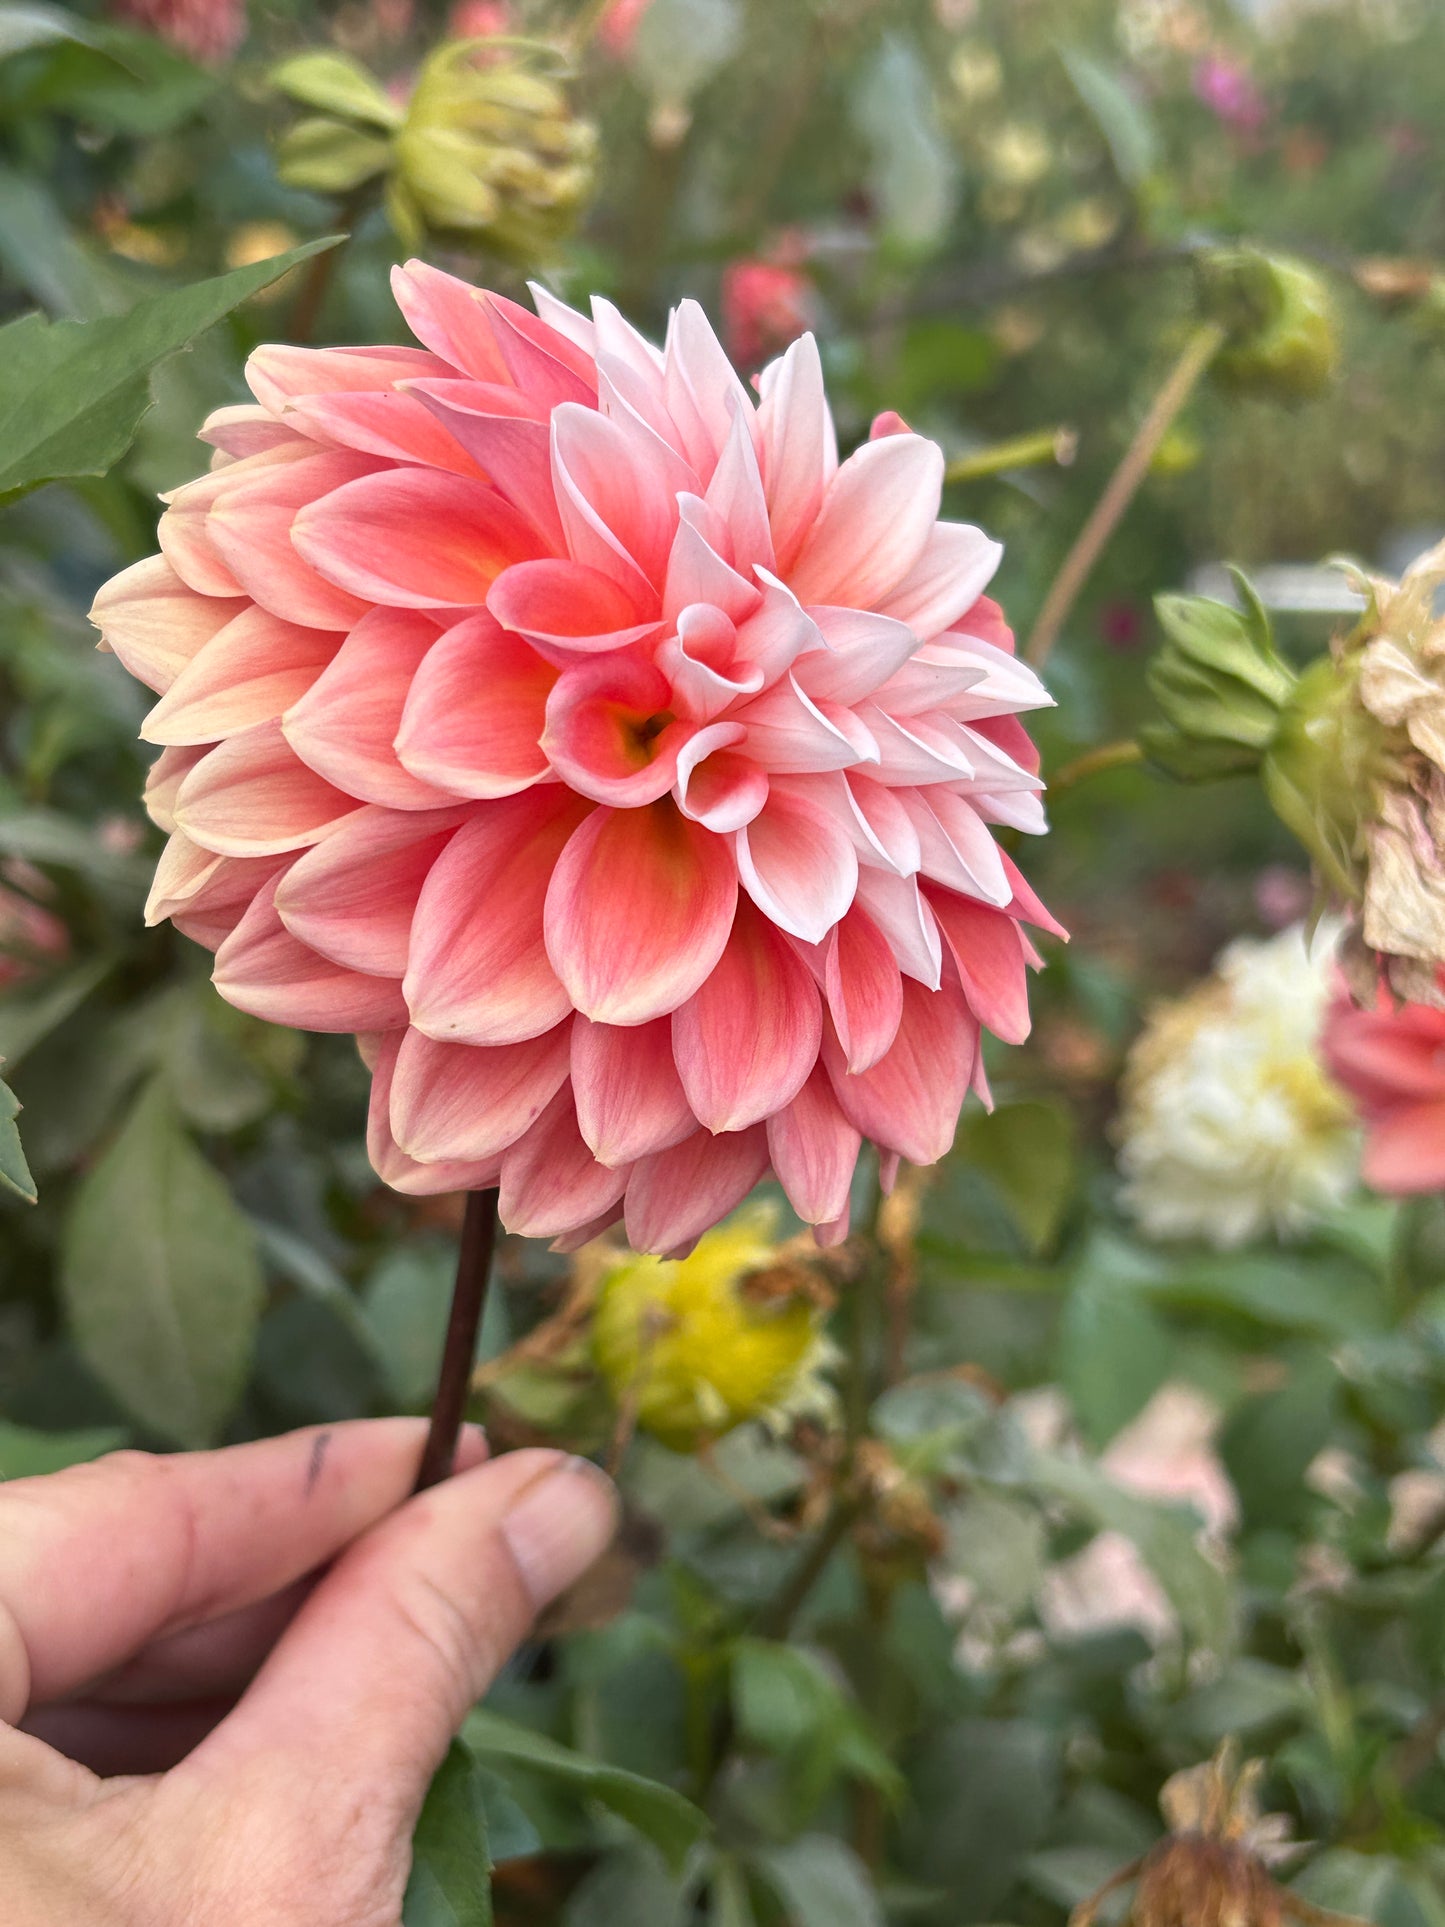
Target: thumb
{"x":357,"y":1704}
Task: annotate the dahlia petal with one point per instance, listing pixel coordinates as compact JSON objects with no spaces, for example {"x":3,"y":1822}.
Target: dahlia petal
{"x":543,"y":361}
{"x":629,"y":1097}
{"x":874,"y":524}
{"x":603,"y":735}
{"x":514,"y":455}
{"x":736,"y":493}
{"x":956,"y":847}
{"x":1008,"y":734}
{"x":563,"y":320}
{"x":414,"y":538}
{"x":389,"y":1161}
{"x":896,"y":905}
{"x":345,"y":725}
{"x":1405,"y":1152}
{"x":704,"y":394}
{"x":828,"y":1236}
{"x":697,"y":572}
{"x":881,"y":828}
{"x":638,"y":912}
{"x":163,"y":783}
{"x":280,"y":375}
{"x":814,"y":1151}
{"x":969,"y":679}
{"x":457,"y":1101}
{"x":251,"y":528}
{"x":184,"y":868}
{"x":569,"y":609}
{"x":916,"y":753}
{"x":991,"y":769}
{"x":956,"y":564}
{"x":397,"y":425}
{"x":352,"y":897}
{"x":798,"y":447}
{"x":452,"y":318}
{"x":478,"y":971}
{"x":262,"y":969}
{"x":1025,"y":904}
{"x":551,"y":1183}
{"x":778,"y":632}
{"x":797,"y":863}
{"x":242,"y":430}
{"x":910,"y":1100}
{"x":699,"y":664}
{"x":248,"y":673}
{"x":986,"y":946}
{"x":155,"y":623}
{"x":253,"y":796}
{"x":791,"y":734}
{"x":715,"y":786}
{"x":1381,"y":1059}
{"x":619,"y":341}
{"x":219,"y":900}
{"x":858,"y":653}
{"x":474,"y":715}
{"x":676,"y":1195}
{"x":616,"y":493}
{"x":864,"y":988}
{"x":186,"y":543}
{"x":626,"y":394}
{"x":747,"y":1039}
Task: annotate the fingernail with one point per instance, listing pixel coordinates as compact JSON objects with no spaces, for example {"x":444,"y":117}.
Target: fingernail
{"x":559,"y":1525}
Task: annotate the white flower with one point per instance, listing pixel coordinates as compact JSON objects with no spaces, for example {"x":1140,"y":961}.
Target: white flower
{"x":1230,"y":1126}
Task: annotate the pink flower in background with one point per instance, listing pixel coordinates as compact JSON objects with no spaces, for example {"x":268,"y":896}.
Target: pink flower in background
{"x":617,"y":29}
{"x":206,"y":30}
{"x":1391,"y":1060}
{"x":612,"y":759}
{"x":1230,"y":93}
{"x":766,"y":304}
{"x":31,"y":936}
{"x":478,"y":19}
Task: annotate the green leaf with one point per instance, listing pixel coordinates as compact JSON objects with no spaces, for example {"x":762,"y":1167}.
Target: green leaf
{"x":123,"y":81}
{"x":36,"y":25}
{"x":404,"y":1309}
{"x":1271,"y":1440}
{"x":14,"y":1171}
{"x":673,"y":1825}
{"x":39,"y":253}
{"x":26,"y":1454}
{"x":160,"y":1277}
{"x":29,"y":1016}
{"x":1113,"y":1353}
{"x":820,"y":1883}
{"x":451,"y":1867}
{"x":680,"y":45}
{"x":1122,"y":118}
{"x":1029,"y":1154}
{"x":72,"y":393}
{"x":334,"y":84}
{"x":630,"y":1885}
{"x":984,"y":1796}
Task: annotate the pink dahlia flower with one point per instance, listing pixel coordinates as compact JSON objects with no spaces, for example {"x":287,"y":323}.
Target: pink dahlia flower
{"x":1392,"y":1062}
{"x":766,"y":303}
{"x":612,"y":759}
{"x":207,"y":30}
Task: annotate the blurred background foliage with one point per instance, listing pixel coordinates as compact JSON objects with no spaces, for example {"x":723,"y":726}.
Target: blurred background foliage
{"x":1086,"y":1505}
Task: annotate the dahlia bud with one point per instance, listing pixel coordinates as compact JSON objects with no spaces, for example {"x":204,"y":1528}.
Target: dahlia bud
{"x":1282,"y":337}
{"x":1357,"y":771}
{"x":1211,"y":1869}
{"x":483,"y":144}
{"x":694,"y":1347}
{"x":1220,"y":684}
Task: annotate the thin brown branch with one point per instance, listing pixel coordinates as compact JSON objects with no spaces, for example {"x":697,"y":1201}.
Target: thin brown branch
{"x":469,"y":1297}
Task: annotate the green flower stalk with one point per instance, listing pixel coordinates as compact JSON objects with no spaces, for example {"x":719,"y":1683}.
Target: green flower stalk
{"x":485,"y":146}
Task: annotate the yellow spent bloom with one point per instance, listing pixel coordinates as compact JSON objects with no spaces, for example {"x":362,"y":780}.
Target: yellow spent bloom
{"x":693,"y":1347}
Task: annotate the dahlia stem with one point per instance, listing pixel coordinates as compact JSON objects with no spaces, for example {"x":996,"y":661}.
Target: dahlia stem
{"x":1200,"y":349}
{"x":1055,"y":446}
{"x":469,"y":1296}
{"x":1096,"y":762}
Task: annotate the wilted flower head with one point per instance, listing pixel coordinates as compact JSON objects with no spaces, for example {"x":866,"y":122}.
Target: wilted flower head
{"x":206,"y":30}
{"x":615,"y":760}
{"x":692,"y":1348}
{"x":1282,"y":338}
{"x":483,"y":142}
{"x":1230,"y":1126}
{"x":1391,"y":1060}
{"x":1212,"y":1868}
{"x":1358,"y":772}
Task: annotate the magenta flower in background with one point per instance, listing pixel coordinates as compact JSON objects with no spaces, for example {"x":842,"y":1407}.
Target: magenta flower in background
{"x":618,"y":764}
{"x":1229,"y":91}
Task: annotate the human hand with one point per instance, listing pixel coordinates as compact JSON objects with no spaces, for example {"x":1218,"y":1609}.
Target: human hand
{"x":274,"y":1646}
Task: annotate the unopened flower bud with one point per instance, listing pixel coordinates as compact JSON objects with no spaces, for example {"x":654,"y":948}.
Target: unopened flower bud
{"x":1219,"y":684}
{"x":1282,"y":337}
{"x":693,"y":1347}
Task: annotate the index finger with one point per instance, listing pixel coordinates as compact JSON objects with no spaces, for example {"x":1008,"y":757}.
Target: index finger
{"x":100,"y":1559}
